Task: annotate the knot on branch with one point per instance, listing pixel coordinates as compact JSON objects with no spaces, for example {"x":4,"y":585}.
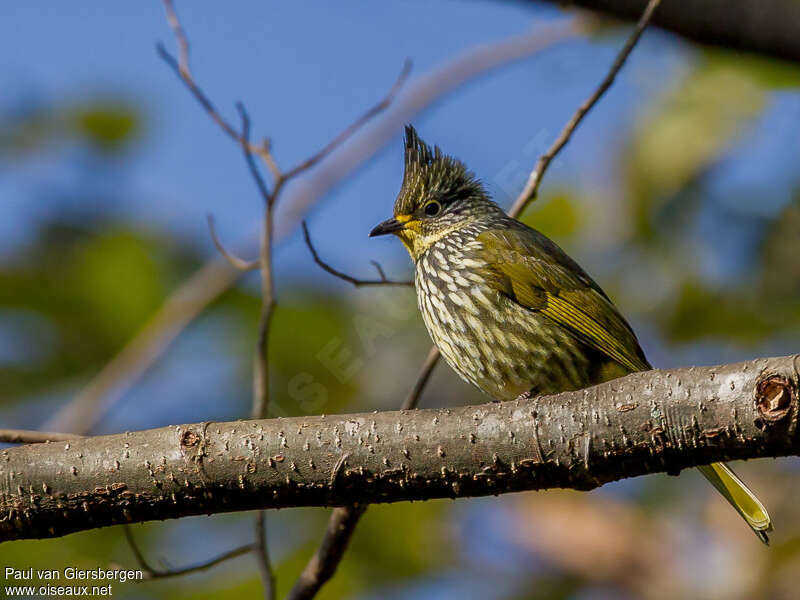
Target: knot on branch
{"x":189,"y":438}
{"x":775,"y":398}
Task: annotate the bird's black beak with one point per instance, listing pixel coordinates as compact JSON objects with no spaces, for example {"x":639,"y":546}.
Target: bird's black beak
{"x":388,"y":226}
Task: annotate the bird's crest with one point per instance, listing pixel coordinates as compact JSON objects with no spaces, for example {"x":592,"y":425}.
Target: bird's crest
{"x":430,"y":171}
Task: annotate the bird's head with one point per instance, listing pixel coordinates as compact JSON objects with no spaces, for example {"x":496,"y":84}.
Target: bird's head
{"x":439,"y":195}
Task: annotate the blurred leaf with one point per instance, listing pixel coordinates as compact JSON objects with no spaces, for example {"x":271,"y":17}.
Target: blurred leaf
{"x":26,"y":132}
{"x":701,"y":313}
{"x":780,"y":252}
{"x":89,"y":289}
{"x":557,"y":214}
{"x":118,"y":280}
{"x":768,"y":72}
{"x":107,"y":126}
{"x":685,"y":133}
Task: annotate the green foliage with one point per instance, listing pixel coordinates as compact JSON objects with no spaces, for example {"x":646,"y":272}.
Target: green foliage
{"x":687,"y":132}
{"x":107,"y":126}
{"x":93,"y":286}
{"x":557,"y":214}
{"x":769,"y":73}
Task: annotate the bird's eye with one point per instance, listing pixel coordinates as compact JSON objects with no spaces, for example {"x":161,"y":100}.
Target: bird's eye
{"x":432,"y":208}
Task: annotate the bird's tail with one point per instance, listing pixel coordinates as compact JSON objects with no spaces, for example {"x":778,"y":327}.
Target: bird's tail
{"x":741,"y":498}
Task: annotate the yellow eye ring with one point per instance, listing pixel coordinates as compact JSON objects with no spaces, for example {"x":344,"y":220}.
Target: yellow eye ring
{"x":432,"y":208}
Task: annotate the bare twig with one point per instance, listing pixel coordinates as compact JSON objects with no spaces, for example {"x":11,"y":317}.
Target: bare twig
{"x":236,"y":262}
{"x":261,"y":380}
{"x":181,"y":68}
{"x":26,"y":436}
{"x":380,"y":270}
{"x":322,"y":565}
{"x":261,"y":361}
{"x":349,"y":278}
{"x":261,"y":552}
{"x":268,"y":197}
{"x":531,"y":189}
{"x":152,"y":573}
{"x":355,"y":125}
{"x":180,"y":38}
{"x":412,"y":400}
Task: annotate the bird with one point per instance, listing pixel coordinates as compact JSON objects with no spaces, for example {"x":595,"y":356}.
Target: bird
{"x":508,"y":309}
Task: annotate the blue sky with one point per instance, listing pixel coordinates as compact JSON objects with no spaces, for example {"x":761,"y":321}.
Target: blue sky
{"x":303,"y":80}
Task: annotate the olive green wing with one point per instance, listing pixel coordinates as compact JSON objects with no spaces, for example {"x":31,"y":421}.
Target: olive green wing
{"x":534,"y":272}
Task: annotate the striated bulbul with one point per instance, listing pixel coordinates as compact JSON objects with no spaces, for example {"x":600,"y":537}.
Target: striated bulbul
{"x":510,"y":312}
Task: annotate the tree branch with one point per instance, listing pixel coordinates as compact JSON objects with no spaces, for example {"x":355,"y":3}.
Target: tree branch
{"x":646,"y":422}
{"x":27,"y":436}
{"x":531,"y":189}
{"x":765,"y":26}
{"x":152,"y":573}
{"x":344,"y":276}
{"x":261,"y":388}
{"x":344,"y":519}
{"x":234,"y":261}
{"x":322,"y":565}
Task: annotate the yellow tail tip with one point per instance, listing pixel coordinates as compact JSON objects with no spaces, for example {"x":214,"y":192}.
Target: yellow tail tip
{"x":740,"y":497}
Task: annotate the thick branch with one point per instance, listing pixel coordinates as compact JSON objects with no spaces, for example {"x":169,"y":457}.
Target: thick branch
{"x":644,"y":423}
{"x":764,"y":26}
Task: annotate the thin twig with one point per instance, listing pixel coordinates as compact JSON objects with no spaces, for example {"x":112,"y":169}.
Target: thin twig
{"x":261,"y":551}
{"x":322,"y":565}
{"x":380,"y":271}
{"x":26,"y":436}
{"x":181,"y":68}
{"x":151,"y":573}
{"x":236,"y":262}
{"x":349,"y":278}
{"x":268,"y":197}
{"x":412,"y":400}
{"x":324,"y":562}
{"x":355,"y":125}
{"x":531,"y":190}
{"x":261,"y":362}
{"x":180,"y":38}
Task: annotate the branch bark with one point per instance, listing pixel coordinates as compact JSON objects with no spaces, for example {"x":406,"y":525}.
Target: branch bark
{"x":764,"y":26}
{"x":644,"y":423}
